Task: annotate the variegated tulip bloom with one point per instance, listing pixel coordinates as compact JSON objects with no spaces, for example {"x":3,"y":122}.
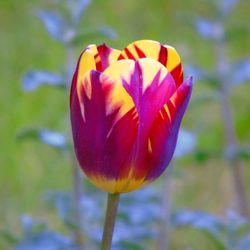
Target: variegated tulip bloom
{"x":126,"y":109}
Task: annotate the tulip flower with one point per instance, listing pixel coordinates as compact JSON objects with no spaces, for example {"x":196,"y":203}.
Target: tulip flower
{"x":126,"y":109}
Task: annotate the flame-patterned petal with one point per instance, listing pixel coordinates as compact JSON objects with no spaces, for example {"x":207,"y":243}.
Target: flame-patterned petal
{"x":164,"y":131}
{"x":93,"y":57}
{"x":164,"y":54}
{"x":99,"y":126}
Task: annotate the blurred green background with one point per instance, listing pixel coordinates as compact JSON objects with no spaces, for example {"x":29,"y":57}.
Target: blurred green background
{"x":29,"y":168}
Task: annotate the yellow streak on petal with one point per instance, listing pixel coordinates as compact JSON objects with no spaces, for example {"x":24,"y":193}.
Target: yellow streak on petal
{"x":150,"y":150}
{"x":173,"y":99}
{"x":148,"y":47}
{"x":150,"y":68}
{"x":118,"y":71}
{"x":86,"y":84}
{"x":168,"y":112}
{"x":87,"y":61}
{"x":173,"y":58}
{"x":152,"y":50}
{"x":162,"y":117}
{"x":113,"y":56}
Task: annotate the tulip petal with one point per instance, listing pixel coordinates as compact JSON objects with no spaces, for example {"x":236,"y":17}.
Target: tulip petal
{"x":147,"y":103}
{"x":93,"y":57}
{"x":105,"y":56}
{"x":164,"y":132}
{"x":118,"y":94}
{"x":98,"y":129}
{"x":165,"y":54}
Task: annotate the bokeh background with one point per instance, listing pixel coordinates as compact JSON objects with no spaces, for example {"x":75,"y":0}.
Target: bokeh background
{"x":197,"y":196}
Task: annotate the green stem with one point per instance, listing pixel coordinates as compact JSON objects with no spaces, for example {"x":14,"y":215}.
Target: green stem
{"x":112,"y":205}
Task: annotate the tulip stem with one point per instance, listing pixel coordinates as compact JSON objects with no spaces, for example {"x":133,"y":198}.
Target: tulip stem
{"x":112,"y":205}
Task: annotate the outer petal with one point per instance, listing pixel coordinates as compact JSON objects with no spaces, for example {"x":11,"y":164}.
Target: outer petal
{"x":165,"y":54}
{"x":93,"y":57}
{"x":164,"y":132}
{"x":99,"y":125}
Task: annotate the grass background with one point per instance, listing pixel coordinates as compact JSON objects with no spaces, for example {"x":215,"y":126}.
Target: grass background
{"x":29,"y":169}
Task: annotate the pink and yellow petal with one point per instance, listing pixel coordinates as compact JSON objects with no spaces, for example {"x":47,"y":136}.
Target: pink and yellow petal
{"x":119,"y":95}
{"x":98,"y":139}
{"x":97,"y":57}
{"x":102,"y":55}
{"x":105,"y":56}
{"x":93,"y":57}
{"x":155,"y":146}
{"x":164,"y":132}
{"x":165,"y":54}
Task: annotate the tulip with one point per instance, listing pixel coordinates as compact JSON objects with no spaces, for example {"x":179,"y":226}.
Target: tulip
{"x":126,"y":108}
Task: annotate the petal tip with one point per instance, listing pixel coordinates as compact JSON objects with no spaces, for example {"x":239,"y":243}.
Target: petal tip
{"x":188,"y":82}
